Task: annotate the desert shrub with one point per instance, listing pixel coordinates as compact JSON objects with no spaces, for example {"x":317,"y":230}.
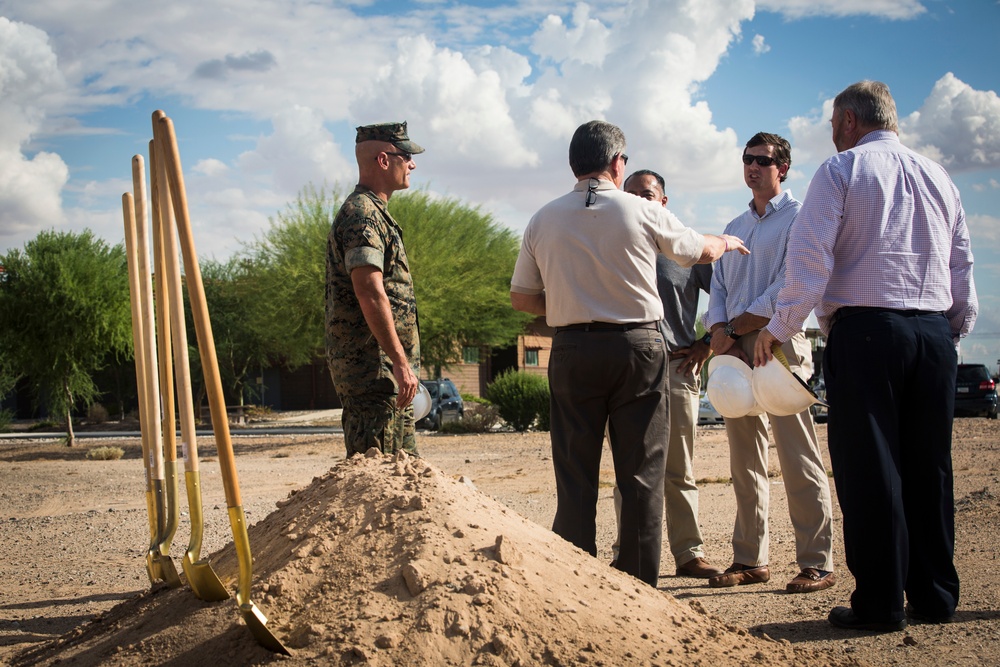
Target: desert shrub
{"x":480,"y":417}
{"x":544,"y":411}
{"x":105,"y":453}
{"x":258,"y":412}
{"x":6,"y":417}
{"x":520,"y":397}
{"x":97,"y":413}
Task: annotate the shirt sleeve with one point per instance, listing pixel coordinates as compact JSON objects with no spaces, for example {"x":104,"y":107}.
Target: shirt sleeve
{"x":527,"y":278}
{"x":965,"y":304}
{"x":678,"y":242}
{"x":361,"y":240}
{"x":811,"y":241}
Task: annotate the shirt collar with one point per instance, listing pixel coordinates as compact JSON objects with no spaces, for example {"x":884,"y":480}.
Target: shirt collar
{"x":878,"y":135}
{"x":602,"y":184}
{"x":776,"y":203}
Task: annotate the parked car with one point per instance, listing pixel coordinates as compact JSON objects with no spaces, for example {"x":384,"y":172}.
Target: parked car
{"x":819,"y":412}
{"x":707,"y":414}
{"x":446,"y":404}
{"x":975,"y":392}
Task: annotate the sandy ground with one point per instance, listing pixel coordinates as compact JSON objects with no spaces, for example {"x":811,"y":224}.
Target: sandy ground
{"x":75,"y":534}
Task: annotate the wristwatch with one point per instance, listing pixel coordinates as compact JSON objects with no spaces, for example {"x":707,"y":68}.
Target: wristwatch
{"x":730,"y":331}
{"x":707,"y":338}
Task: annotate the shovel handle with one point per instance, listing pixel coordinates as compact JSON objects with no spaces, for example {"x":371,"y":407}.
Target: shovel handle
{"x":199,"y":313}
{"x":163,"y":327}
{"x":138,"y":339}
{"x":178,"y":328}
{"x":152,"y":382}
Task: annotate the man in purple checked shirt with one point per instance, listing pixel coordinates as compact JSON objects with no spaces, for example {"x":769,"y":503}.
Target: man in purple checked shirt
{"x":881,"y":250}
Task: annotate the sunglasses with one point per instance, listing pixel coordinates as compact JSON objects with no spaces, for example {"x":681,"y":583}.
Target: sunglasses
{"x":762,"y":160}
{"x":406,"y":156}
{"x":624,"y":158}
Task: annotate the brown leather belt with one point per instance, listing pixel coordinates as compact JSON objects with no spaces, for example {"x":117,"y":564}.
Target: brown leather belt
{"x":607,"y":326}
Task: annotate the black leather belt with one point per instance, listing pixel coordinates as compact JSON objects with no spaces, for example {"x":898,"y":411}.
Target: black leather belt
{"x":607,"y":326}
{"x":848,"y":311}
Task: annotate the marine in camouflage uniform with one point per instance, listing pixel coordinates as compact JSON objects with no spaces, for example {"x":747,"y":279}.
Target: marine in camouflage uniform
{"x":364,"y":234}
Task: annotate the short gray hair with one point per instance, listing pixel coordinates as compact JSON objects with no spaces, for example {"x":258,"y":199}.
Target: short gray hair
{"x":871,"y":104}
{"x":593,"y":146}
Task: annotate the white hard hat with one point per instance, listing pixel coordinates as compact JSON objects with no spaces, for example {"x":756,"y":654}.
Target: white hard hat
{"x":730,"y":388}
{"x":779,"y":391}
{"x":421,"y":402}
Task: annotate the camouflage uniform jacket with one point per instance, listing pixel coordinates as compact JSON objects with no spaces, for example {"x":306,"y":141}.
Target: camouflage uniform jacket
{"x":364,"y":234}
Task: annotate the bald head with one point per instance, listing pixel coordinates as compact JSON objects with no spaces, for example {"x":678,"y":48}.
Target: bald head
{"x":383,"y":167}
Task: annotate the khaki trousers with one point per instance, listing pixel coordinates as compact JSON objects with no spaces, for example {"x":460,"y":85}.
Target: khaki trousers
{"x":807,"y":486}
{"x":680,"y":493}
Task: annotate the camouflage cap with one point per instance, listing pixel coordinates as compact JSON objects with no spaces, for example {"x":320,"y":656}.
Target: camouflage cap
{"x":394,"y":133}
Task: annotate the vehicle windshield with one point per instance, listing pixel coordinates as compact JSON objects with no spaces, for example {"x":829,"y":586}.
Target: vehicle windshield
{"x":432,"y":389}
{"x":972,"y":373}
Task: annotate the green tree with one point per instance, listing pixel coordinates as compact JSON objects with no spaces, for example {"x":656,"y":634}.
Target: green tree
{"x":234,"y":308}
{"x":461,"y":261}
{"x":289,"y":265}
{"x":64,"y":304}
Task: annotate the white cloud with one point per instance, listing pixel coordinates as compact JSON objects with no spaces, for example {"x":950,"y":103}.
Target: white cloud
{"x":984,"y":230}
{"x":30,"y":185}
{"x":957,"y":125}
{"x":586,"y":41}
{"x":301,"y":150}
{"x":891,"y":9}
{"x":211,"y":167}
{"x":759,"y":46}
{"x":992,"y":184}
{"x":812,"y":136}
{"x":448,"y":103}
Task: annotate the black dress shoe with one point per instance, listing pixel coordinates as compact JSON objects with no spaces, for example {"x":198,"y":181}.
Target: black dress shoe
{"x":915,"y":615}
{"x":844,"y":617}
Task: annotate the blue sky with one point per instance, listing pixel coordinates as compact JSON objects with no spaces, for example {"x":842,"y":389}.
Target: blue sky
{"x":265,"y":95}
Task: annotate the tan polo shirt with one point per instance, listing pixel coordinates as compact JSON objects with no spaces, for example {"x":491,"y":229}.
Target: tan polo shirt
{"x":597,"y":263}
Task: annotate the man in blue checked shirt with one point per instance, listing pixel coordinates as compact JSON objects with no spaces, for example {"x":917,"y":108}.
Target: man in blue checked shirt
{"x":741,"y":301}
{"x":881,"y":250}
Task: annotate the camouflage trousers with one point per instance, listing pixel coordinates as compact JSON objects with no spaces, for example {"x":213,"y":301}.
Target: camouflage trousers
{"x":373,"y":420}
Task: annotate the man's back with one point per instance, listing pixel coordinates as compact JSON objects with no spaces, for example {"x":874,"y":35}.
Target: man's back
{"x":598,"y":262}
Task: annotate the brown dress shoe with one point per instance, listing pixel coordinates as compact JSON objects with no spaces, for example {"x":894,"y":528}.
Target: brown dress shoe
{"x":811,"y":580}
{"x":740,"y":575}
{"x":699,"y":568}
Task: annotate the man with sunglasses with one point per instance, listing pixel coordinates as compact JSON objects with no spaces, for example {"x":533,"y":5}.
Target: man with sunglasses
{"x":373,"y":347}
{"x":741,"y":301}
{"x":588,"y":264}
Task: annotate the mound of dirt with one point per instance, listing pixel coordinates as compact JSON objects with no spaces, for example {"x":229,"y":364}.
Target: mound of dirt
{"x":385,"y":561}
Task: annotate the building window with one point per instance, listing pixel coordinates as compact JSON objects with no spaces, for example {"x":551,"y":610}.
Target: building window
{"x":470,"y":355}
{"x":531,"y":357}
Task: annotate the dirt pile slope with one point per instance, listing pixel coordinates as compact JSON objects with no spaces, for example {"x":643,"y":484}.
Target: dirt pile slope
{"x":385,"y":561}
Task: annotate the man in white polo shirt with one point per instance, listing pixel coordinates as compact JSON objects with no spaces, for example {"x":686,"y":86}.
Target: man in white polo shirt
{"x":588,"y":263}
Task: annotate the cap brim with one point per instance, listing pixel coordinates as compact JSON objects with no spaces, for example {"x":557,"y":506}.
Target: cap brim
{"x":408,"y":146}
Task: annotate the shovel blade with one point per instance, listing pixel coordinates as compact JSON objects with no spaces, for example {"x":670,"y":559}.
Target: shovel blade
{"x":160,"y":567}
{"x":204,"y":582}
{"x":257,"y":623}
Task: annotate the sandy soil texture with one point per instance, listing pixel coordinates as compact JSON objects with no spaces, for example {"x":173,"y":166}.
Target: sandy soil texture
{"x":445,"y":559}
